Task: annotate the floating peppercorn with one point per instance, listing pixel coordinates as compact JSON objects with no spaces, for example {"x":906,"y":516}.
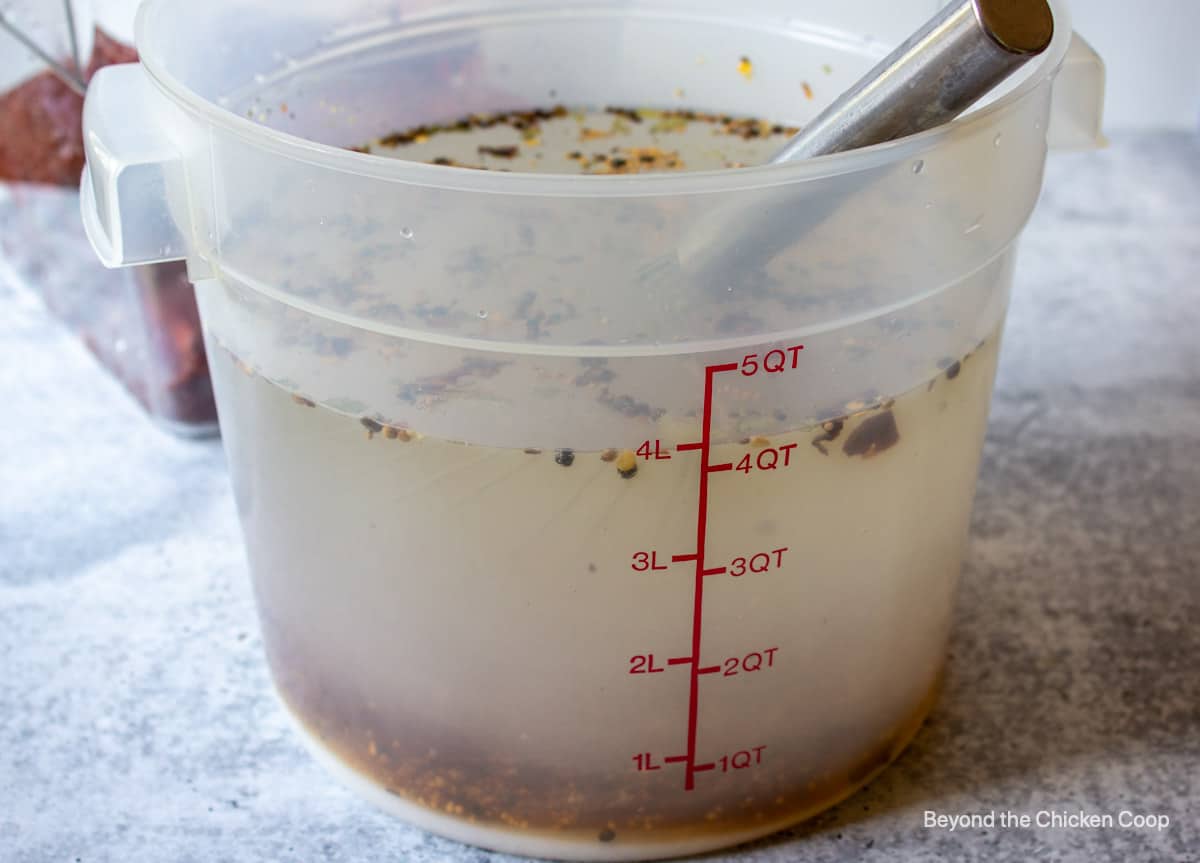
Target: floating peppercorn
{"x":373,"y":427}
{"x":830,"y":429}
{"x":564,"y":457}
{"x":627,"y":464}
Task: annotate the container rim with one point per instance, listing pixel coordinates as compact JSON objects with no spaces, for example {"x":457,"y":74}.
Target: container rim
{"x":386,"y":168}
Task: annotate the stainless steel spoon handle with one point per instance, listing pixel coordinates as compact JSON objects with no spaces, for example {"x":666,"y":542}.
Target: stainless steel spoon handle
{"x":940,"y":71}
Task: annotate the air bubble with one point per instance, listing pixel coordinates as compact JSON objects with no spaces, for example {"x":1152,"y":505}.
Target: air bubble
{"x":918,"y":166}
{"x":483,"y":313}
{"x":996,"y":141}
{"x":406,"y":232}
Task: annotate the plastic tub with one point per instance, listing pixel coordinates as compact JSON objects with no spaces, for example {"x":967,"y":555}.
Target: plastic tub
{"x":560,"y":548}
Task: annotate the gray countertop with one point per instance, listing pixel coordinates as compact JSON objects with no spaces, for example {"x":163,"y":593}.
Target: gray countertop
{"x":137,"y":721}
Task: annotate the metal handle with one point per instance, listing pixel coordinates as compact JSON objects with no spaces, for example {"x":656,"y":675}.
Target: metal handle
{"x":940,"y":71}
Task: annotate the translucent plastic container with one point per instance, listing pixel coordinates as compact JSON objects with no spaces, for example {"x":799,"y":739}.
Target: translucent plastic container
{"x":560,"y":547}
{"x":142,"y":324}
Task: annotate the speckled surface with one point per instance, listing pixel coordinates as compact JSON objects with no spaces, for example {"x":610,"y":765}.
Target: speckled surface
{"x":137,"y":722}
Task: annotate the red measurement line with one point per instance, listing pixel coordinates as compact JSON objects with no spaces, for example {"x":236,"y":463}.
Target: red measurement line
{"x":689,"y":781}
{"x":709,"y":669}
{"x":720,"y":570}
{"x":680,"y":558}
{"x":675,"y":759}
{"x":686,"y":447}
{"x":680,"y":660}
{"x":701,"y":767}
{"x":717,"y":468}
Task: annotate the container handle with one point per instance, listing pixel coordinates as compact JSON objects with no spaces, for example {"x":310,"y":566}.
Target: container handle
{"x":133,"y":169}
{"x":1077,"y":106}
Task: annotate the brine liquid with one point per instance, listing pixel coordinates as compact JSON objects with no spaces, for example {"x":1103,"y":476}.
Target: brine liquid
{"x":482,"y":633}
{"x":608,"y":141}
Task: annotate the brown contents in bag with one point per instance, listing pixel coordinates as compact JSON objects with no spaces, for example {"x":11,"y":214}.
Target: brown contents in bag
{"x":42,"y":122}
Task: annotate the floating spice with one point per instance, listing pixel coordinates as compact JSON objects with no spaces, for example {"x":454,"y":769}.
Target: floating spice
{"x":830,"y":429}
{"x":373,"y":427}
{"x":499,"y":152}
{"x":950,"y":367}
{"x":745,"y":68}
{"x":564,"y":457}
{"x":748,"y":128}
{"x":627,"y":464}
{"x":670,"y":123}
{"x":874,"y":435}
{"x":628,"y":113}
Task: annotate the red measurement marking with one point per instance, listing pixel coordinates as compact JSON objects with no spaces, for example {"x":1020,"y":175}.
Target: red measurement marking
{"x":675,"y":759}
{"x":687,"y":447}
{"x":646,"y":561}
{"x":645,"y":761}
{"x":709,"y":669}
{"x":717,"y":468}
{"x":656,"y":452}
{"x":689,"y":781}
{"x":679,"y":660}
{"x":720,"y":570}
{"x":699,"y":768}
{"x":680,"y":558}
